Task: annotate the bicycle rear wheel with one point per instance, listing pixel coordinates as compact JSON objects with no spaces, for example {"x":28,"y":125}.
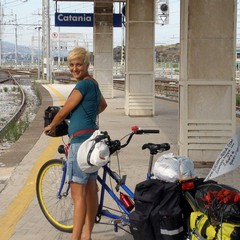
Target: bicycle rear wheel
{"x":56,"y":205}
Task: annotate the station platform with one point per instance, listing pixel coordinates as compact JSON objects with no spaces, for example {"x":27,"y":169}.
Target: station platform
{"x":20,"y":214}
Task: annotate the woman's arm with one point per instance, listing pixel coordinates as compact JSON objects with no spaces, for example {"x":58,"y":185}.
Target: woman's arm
{"x":73,"y":100}
{"x":102,"y":104}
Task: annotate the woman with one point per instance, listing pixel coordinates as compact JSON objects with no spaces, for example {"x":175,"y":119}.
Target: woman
{"x":84,"y":104}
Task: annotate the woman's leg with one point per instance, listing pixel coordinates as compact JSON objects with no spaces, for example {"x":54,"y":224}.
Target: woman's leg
{"x":78,"y":192}
{"x":92,"y":208}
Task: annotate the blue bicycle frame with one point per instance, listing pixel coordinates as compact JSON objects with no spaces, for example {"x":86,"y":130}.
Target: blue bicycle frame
{"x":120,"y":184}
{"x":102,"y":181}
{"x":63,"y":180}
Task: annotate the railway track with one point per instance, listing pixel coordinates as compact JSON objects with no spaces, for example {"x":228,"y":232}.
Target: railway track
{"x":5,"y":76}
{"x":13,"y":100}
{"x":19,"y":103}
{"x":162,"y":88}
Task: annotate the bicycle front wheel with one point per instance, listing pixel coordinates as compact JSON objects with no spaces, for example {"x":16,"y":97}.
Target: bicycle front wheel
{"x":52,"y":194}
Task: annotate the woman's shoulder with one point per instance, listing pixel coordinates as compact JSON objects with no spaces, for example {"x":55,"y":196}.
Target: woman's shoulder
{"x":91,"y":80}
{"x":87,"y":85}
{"x":87,"y":82}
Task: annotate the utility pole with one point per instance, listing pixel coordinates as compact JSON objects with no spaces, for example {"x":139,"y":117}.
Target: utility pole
{"x":41,"y":67}
{"x":43,"y":39}
{"x":38,"y":29}
{"x":49,"y":78}
{"x":16,"y":46}
{"x":32,"y":51}
{"x":46,"y":40}
{"x":1,"y":24}
{"x":59,"y":56}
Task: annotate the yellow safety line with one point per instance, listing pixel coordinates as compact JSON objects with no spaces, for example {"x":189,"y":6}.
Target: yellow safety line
{"x":20,"y":203}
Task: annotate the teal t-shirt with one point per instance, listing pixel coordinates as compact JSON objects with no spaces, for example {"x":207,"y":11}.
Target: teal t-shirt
{"x":85,"y":114}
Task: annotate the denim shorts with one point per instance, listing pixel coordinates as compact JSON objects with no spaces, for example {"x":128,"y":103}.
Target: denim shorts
{"x":74,"y":173}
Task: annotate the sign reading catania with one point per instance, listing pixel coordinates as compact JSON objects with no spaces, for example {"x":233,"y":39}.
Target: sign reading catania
{"x":82,"y":20}
{"x":74,"y":18}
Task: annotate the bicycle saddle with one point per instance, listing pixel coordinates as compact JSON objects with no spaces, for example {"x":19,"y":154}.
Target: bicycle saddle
{"x":156,"y":148}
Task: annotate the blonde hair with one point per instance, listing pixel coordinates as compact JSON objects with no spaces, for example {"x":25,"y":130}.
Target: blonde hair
{"x":79,"y":52}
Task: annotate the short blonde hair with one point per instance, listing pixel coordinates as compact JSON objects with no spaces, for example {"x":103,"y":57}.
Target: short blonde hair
{"x":79,"y":52}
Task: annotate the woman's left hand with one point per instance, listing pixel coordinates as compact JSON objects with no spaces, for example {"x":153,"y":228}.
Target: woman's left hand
{"x":49,"y":129}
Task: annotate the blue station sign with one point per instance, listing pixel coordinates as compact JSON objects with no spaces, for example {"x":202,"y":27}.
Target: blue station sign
{"x":82,"y":20}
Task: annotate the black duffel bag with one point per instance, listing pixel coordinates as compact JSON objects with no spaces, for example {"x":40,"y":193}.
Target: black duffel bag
{"x":62,"y":128}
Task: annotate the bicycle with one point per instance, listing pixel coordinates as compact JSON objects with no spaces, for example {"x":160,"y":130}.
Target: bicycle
{"x":53,"y":193}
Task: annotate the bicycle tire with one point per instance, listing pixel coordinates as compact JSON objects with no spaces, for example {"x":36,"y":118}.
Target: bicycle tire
{"x":191,"y":201}
{"x":58,"y":211}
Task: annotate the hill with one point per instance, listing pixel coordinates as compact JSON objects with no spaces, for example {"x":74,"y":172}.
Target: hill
{"x":168,"y":53}
{"x":164,"y":53}
{"x":24,"y":52}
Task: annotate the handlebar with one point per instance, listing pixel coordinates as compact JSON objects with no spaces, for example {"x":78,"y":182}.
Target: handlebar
{"x":115,"y":145}
{"x":142,"y":131}
{"x":138,"y":130}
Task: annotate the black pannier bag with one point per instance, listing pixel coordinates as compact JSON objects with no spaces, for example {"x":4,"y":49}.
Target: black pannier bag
{"x":140,"y":226}
{"x":157,"y":214}
{"x":167,"y":217}
{"x":146,"y":196}
{"x":62,"y":128}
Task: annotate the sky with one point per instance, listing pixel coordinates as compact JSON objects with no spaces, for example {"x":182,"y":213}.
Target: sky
{"x":26,"y":14}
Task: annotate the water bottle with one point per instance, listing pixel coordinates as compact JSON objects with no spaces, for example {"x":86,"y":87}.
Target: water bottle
{"x":126,"y":201}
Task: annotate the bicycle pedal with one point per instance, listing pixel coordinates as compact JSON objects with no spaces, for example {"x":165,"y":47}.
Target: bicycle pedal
{"x":119,"y":221}
{"x":116,"y":221}
{"x":115,"y":224}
